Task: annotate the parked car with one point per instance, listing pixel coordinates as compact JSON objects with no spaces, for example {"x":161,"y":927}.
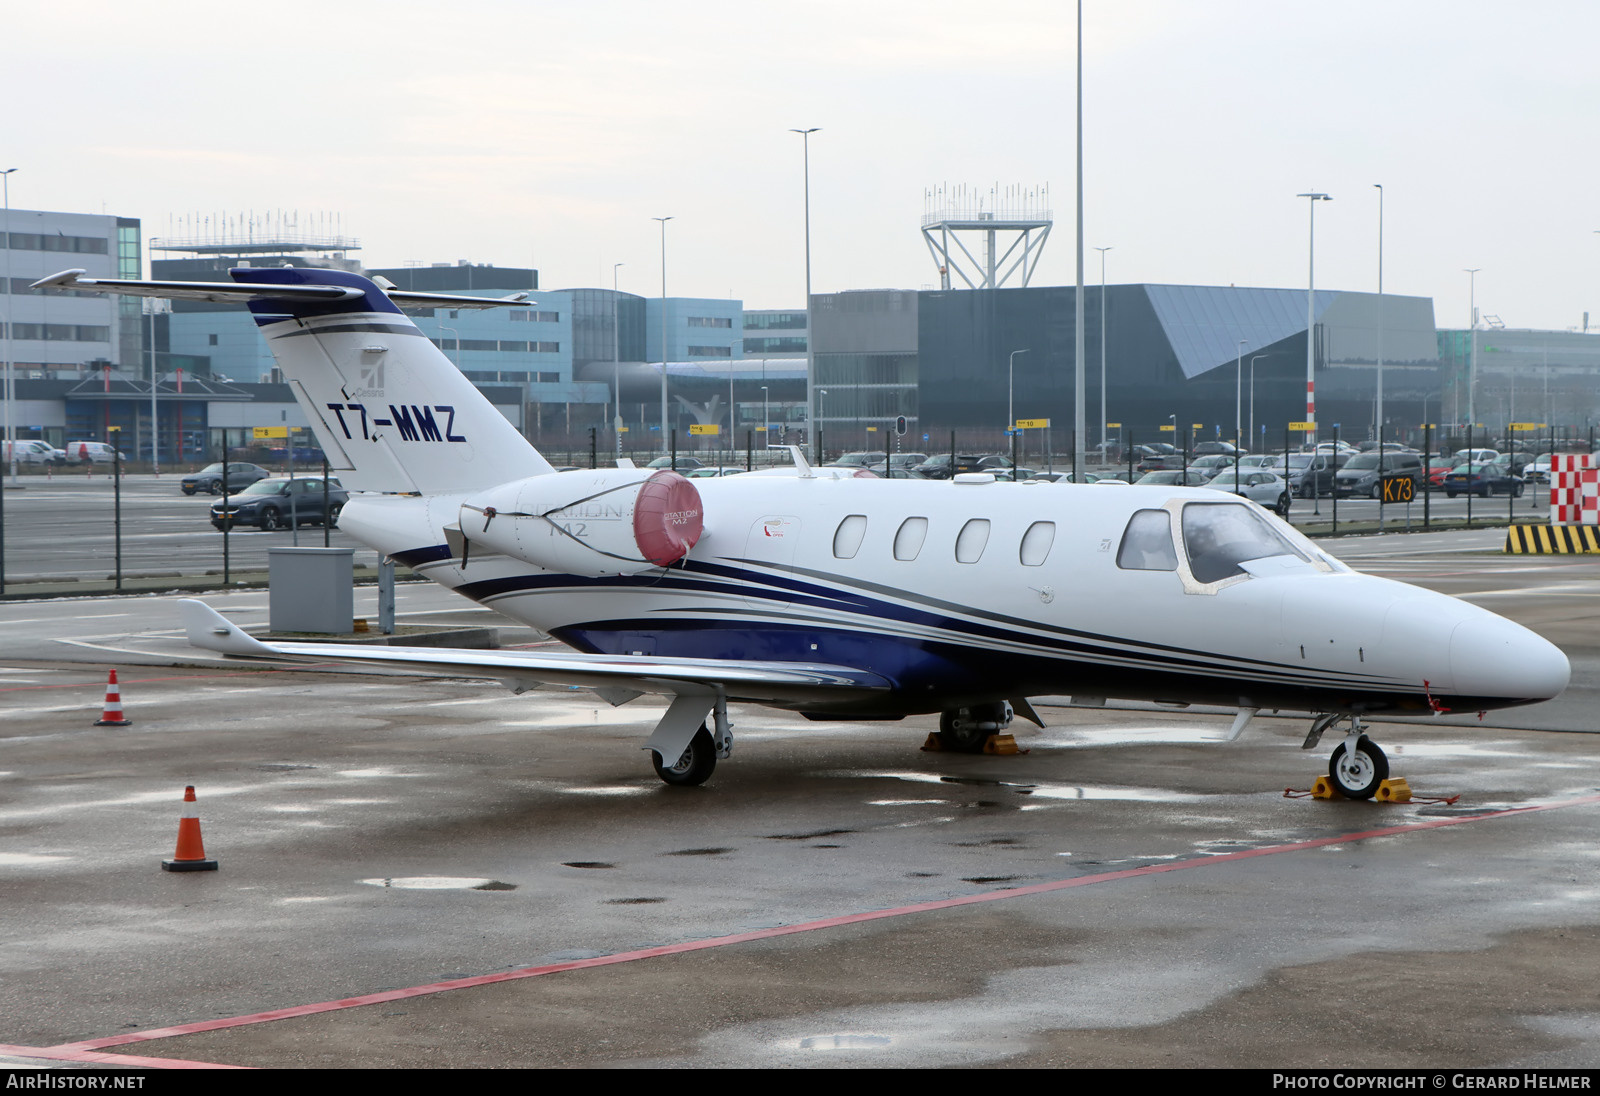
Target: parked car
{"x":1258,"y":486}
{"x":1312,"y":473}
{"x":91,"y":452}
{"x":1208,"y":448}
{"x":1205,"y":468}
{"x":277,"y":503}
{"x":1482,"y":479}
{"x":1360,"y":475}
{"x":209,"y":478}
{"x":32,"y":452}
{"x":939,"y":467}
{"x":684,"y":464}
{"x":899,"y":465}
{"x":863,"y":460}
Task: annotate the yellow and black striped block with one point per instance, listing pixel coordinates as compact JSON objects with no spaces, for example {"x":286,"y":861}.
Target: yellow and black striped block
{"x":1553,"y":539}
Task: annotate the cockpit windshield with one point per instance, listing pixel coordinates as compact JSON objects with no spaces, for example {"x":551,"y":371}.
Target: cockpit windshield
{"x":1217,"y":537}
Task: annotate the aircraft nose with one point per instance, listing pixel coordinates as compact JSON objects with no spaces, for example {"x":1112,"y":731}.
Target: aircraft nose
{"x":1497,"y":658}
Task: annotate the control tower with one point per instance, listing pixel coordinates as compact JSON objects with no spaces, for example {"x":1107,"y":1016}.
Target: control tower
{"x":1017,"y":217}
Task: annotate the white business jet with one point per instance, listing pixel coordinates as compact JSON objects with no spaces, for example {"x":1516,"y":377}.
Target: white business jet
{"x":840,"y":598}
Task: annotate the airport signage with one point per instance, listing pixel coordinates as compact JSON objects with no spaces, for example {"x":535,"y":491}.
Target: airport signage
{"x":1398,"y":488}
{"x":705,"y":428}
{"x":1302,"y":426}
{"x":1527,"y":426}
{"x":1033,"y":424}
{"x":1113,"y":426}
{"x":260,"y":432}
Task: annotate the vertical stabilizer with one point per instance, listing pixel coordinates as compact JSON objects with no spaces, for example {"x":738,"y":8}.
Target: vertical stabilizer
{"x":390,"y":410}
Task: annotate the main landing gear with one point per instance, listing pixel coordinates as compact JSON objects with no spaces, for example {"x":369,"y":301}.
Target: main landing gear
{"x":697,"y":744}
{"x":1357,"y":766}
{"x":965,"y":730}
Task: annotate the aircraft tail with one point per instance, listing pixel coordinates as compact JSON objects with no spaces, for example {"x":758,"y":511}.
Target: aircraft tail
{"x":389,"y":409}
{"x":391,"y":412}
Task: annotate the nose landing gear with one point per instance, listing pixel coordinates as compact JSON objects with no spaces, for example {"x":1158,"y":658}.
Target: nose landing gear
{"x":965,"y":730}
{"x":1358,"y":767}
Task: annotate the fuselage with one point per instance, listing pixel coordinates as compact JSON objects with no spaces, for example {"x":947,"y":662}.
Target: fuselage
{"x":963,"y":593}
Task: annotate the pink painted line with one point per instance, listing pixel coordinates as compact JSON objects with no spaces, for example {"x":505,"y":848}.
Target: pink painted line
{"x":129,"y":1061}
{"x":803,"y":926}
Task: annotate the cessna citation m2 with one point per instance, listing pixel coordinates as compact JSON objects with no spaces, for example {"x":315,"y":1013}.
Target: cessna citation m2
{"x":840,"y":599}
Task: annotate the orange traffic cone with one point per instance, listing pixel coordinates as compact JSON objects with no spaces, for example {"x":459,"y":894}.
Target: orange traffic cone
{"x":113,"y":714}
{"x":191,"y":852}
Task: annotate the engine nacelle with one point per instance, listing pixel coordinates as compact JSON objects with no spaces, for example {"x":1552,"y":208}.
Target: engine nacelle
{"x":606,"y":521}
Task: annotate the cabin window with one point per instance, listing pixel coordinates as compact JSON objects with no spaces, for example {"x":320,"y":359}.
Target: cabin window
{"x":847,"y":538}
{"x":1219,"y":536}
{"x":908,"y":539}
{"x":1036,"y":543}
{"x":971,"y":540}
{"x":1147,"y":543}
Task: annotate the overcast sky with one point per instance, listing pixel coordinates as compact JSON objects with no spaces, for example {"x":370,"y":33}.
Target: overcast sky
{"x":550,"y":133}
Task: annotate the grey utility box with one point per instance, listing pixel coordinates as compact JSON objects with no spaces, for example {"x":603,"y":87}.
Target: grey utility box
{"x":311,"y":590}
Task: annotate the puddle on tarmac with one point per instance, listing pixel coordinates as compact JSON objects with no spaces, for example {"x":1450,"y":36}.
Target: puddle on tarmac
{"x":26,"y":859}
{"x":379,"y":771}
{"x":596,"y":864}
{"x":633,"y":901}
{"x":438,"y":882}
{"x":1118,"y":735}
{"x":905,"y":802}
{"x":844,"y":1042}
{"x":698,"y":852}
{"x":1040,"y":791}
{"x":609,"y":789}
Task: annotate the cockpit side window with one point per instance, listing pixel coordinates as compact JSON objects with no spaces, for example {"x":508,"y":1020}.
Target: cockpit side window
{"x":1147,"y":543}
{"x":1217,"y":537}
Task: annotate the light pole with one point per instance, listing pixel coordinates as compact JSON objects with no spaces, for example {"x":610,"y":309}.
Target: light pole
{"x":766,"y":417}
{"x":1253,"y":361}
{"x":5,"y":230}
{"x":1080,"y":459}
{"x":1011,"y":388}
{"x":663,"y":221}
{"x":1238,"y":393}
{"x":1379,"y":411}
{"x":817,"y":440}
{"x":616,"y":354}
{"x":1311,"y":317}
{"x":151,"y":308}
{"x":1102,"y":251}
{"x":1472,"y":348}
{"x":811,"y":335}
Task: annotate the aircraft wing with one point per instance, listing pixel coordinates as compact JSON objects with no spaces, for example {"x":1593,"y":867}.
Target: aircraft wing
{"x":242,"y":292}
{"x":613,"y":676}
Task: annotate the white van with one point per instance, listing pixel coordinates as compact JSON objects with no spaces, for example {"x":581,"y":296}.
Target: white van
{"x":31,"y":452}
{"x":90,"y":452}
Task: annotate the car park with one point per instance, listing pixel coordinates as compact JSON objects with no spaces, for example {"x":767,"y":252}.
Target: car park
{"x":1257,"y":486}
{"x":1205,"y":468}
{"x":209,"y":478}
{"x":272,"y":504}
{"x":1312,"y":473}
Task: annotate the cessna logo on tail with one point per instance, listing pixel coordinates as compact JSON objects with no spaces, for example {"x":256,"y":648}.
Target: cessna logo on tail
{"x":414,"y":423}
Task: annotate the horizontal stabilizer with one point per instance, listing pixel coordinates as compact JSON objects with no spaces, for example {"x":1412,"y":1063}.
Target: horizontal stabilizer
{"x":767,"y":682}
{"x":245,"y":291}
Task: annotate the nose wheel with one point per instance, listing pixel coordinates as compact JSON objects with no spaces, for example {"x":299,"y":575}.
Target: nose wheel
{"x":1358,"y":767}
{"x":965,"y":730}
{"x":1358,"y":772}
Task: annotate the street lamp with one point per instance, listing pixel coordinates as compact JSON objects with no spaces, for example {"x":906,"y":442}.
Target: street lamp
{"x":663,"y":221}
{"x":1472,"y":352}
{"x":1011,"y":382}
{"x":1379,"y":411}
{"x":1238,"y":394}
{"x":766,"y":417}
{"x":616,"y":353}
{"x":1311,"y":317}
{"x":811,"y":335}
{"x":821,"y":392}
{"x":1102,"y":251}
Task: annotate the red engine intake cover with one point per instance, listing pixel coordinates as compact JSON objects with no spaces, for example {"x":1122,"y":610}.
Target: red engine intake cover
{"x":667,"y":518}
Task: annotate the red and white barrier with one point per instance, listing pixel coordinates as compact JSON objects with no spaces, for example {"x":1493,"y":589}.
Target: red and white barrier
{"x":1574,"y":490}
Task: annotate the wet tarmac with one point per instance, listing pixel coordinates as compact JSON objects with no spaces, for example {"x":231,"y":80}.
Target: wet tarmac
{"x":423,"y":872}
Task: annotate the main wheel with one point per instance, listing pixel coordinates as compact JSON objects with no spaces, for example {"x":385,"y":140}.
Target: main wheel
{"x":1360,"y":777}
{"x":270,"y":520}
{"x":960,"y":730}
{"x":696,"y":764}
